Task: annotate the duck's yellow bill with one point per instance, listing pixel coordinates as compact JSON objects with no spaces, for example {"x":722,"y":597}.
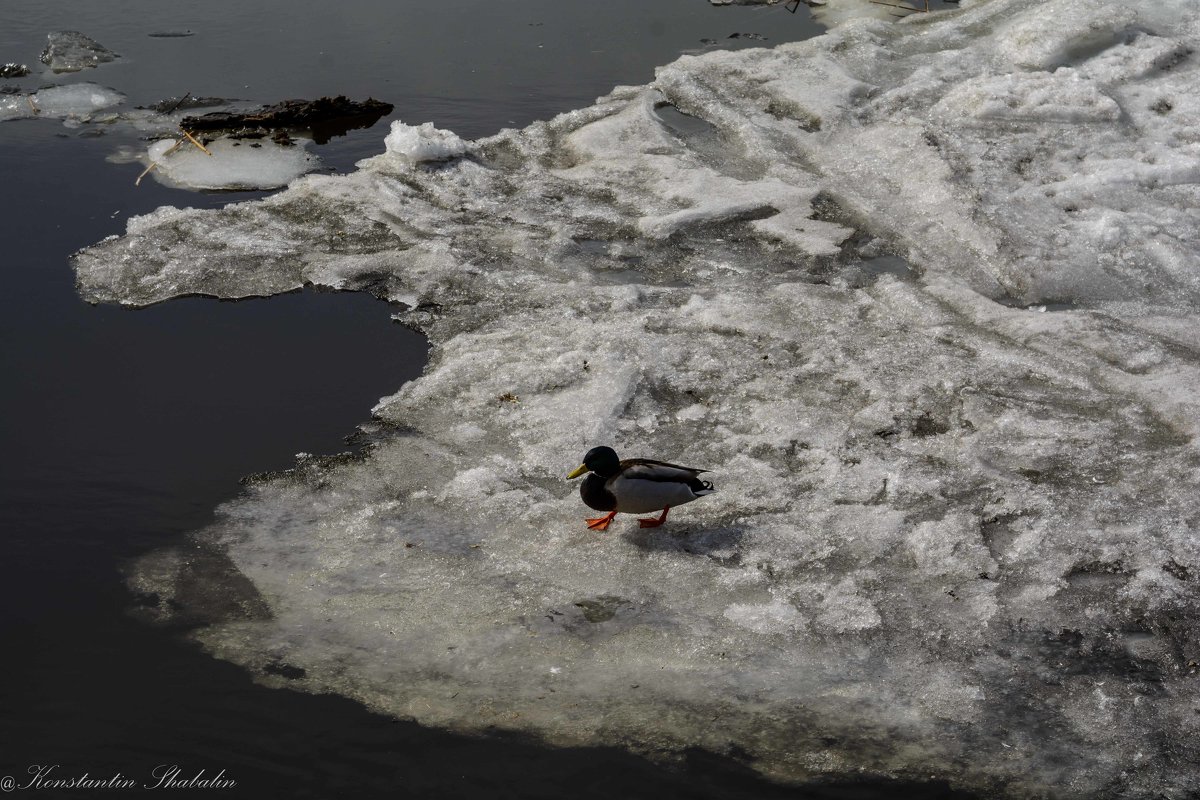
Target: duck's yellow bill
{"x":577,"y":472}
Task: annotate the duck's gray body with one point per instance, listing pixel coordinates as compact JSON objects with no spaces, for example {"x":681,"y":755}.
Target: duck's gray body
{"x":642,"y":486}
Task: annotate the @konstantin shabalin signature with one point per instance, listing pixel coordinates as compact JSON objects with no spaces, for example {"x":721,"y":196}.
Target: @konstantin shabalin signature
{"x":164,"y":776}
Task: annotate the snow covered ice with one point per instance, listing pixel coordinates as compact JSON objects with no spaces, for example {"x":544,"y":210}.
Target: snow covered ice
{"x":955,"y":530}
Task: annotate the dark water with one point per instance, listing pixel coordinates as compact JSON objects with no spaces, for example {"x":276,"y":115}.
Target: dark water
{"x":121,"y":430}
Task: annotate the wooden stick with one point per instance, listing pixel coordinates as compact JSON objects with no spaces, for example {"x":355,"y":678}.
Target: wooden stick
{"x":188,"y":94}
{"x":32,"y":106}
{"x":145,"y":172}
{"x":193,"y":141}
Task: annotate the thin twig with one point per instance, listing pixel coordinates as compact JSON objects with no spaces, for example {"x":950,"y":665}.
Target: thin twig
{"x":154,"y":164}
{"x":32,"y":105}
{"x":178,"y":103}
{"x":145,"y":172}
{"x":192,"y":139}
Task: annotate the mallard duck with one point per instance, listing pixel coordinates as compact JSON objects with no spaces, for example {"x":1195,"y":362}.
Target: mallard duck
{"x":635,"y":486}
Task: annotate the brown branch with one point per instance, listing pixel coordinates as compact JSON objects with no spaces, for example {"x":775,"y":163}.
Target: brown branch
{"x":193,"y":140}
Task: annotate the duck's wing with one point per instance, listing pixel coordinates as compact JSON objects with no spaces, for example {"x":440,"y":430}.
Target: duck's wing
{"x":647,"y":469}
{"x":644,"y":485}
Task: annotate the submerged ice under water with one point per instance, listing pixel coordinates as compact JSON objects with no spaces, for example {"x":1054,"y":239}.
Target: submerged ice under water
{"x":954,"y":533}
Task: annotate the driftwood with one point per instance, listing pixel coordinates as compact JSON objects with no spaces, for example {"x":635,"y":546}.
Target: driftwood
{"x":325,"y":117}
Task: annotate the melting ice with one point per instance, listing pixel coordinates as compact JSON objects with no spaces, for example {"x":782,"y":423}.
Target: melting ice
{"x":955,"y":535}
{"x":78,"y":101}
{"x":228,"y":163}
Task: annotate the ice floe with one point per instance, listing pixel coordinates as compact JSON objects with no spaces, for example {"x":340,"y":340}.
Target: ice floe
{"x":77,"y":101}
{"x":230,"y":164}
{"x":71,"y":51}
{"x":955,"y":533}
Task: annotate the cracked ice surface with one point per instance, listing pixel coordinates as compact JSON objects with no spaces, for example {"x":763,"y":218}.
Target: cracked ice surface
{"x":955,"y":528}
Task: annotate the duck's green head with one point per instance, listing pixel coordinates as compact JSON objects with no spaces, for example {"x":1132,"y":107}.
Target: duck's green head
{"x":601,"y":460}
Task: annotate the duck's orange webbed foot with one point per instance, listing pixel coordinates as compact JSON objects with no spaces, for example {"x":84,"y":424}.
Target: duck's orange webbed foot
{"x":601,"y":523}
{"x":654,"y":523}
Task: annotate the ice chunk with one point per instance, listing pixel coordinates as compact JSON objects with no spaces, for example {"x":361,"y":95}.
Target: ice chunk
{"x":71,"y":51}
{"x":421,"y":143}
{"x":76,"y":101}
{"x":953,"y":534}
{"x":15,"y":106}
{"x":234,"y":164}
